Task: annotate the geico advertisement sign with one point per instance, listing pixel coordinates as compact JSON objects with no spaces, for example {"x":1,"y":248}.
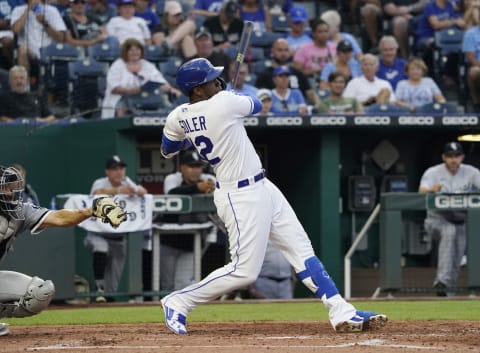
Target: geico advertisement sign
{"x":176,"y":204}
{"x":457,"y":201}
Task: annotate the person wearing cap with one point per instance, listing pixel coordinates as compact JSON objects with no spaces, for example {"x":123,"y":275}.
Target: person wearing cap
{"x":126,"y":25}
{"x":298,"y":35}
{"x":176,"y":251}
{"x":345,"y":63}
{"x":281,"y":56}
{"x":391,"y":68}
{"x":241,"y":86}
{"x":264,"y":95}
{"x":226,"y":28}
{"x":109,"y":249}
{"x":204,"y":46}
{"x":285,"y":99}
{"x":451,"y":177}
{"x":311,"y":58}
{"x":257,"y":12}
{"x":83,"y":30}
{"x":334,"y":21}
{"x":335,"y":103}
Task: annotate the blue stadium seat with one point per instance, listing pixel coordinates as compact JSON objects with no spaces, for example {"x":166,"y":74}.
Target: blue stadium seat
{"x":155,"y":54}
{"x":145,"y":102}
{"x":169,"y":69}
{"x":385,"y":109}
{"x":447,"y":46}
{"x":107,"y":51}
{"x":280,"y":23}
{"x":258,"y":67}
{"x":87,"y":82}
{"x":263,"y":39}
{"x":438,"y":108}
{"x":253,"y":54}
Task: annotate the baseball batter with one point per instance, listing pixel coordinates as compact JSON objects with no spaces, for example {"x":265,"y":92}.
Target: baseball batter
{"x":451,"y":176}
{"x":22,"y":295}
{"x":252,"y":208}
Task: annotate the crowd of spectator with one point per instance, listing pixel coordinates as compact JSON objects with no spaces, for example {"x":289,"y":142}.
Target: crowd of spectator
{"x":369,"y":53}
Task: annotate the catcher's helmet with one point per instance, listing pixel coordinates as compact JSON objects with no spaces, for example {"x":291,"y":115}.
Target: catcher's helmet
{"x":196,"y":72}
{"x":11,"y":189}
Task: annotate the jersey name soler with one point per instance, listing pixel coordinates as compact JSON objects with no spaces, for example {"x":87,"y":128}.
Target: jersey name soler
{"x":197,"y":123}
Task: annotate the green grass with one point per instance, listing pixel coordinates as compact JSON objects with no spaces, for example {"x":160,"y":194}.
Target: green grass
{"x":292,"y":311}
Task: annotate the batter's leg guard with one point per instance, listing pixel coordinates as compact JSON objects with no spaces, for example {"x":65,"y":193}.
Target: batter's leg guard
{"x":37,"y":298}
{"x":317,"y":279}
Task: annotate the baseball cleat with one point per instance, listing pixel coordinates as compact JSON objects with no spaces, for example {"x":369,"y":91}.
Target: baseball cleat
{"x":372,"y":320}
{"x":4,"y":329}
{"x":355,"y":324}
{"x":174,"y":320}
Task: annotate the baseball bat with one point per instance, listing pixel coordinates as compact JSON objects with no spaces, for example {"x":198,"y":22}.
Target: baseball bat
{"x":242,"y":49}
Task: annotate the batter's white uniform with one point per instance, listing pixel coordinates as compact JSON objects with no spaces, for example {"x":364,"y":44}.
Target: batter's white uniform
{"x":252,"y":208}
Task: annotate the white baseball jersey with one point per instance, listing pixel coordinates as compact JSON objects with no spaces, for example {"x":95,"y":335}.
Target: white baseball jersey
{"x":362,"y":89}
{"x":252,"y":208}
{"x":215,"y":127}
{"x":123,"y":29}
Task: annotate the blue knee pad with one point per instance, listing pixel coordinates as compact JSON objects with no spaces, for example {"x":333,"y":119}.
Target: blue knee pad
{"x":315,"y":269}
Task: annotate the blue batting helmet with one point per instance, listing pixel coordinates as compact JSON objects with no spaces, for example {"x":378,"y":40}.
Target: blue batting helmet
{"x":196,"y":72}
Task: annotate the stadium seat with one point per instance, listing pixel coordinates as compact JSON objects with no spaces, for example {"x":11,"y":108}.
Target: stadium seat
{"x":258,"y":67}
{"x":107,"y":51}
{"x":280,"y":23}
{"x":385,"y":109}
{"x":145,"y":102}
{"x":54,"y":60}
{"x":264,"y":40}
{"x":253,"y":54}
{"x":448,"y":45}
{"x":87,"y":81}
{"x":169,"y":69}
{"x":155,"y":54}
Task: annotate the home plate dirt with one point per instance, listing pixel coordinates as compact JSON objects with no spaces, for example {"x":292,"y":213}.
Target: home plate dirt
{"x":255,"y":337}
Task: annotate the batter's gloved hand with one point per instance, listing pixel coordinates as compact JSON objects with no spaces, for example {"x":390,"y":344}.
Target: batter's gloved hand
{"x":108,"y":211}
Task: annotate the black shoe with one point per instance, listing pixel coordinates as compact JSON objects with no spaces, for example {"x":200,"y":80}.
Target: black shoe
{"x":441,"y":289}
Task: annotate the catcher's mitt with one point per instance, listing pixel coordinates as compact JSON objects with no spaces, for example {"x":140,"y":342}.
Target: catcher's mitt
{"x":108,"y":211}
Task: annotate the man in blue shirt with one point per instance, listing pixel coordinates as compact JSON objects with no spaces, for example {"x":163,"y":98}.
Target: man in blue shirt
{"x":390,"y":68}
{"x":471,"y":48}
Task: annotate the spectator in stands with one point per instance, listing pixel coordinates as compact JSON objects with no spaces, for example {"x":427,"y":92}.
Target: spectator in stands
{"x":368,"y":88}
{"x":449,"y":177}
{"x":109,"y":249}
{"x":63,"y":6}
{"x":437,"y":15}
{"x":391,"y":68}
{"x":241,"y":86}
{"x":285,"y":99}
{"x":207,"y":8}
{"x":204,"y":46}
{"x":281,"y":56}
{"x":279,"y":7}
{"x":345,"y":63}
{"x":36,"y":24}
{"x":29,"y":194}
{"x":226,"y":28}
{"x":257,"y":12}
{"x":471,"y":14}
{"x":176,"y":32}
{"x":275,"y":280}
{"x":127,"y":75}
{"x":264,"y":95}
{"x":471,"y":49}
{"x":418,"y":90}
{"x":371,"y":16}
{"x":82,"y":29}
{"x":335,"y":103}
{"x":311,"y":58}
{"x":400,"y":13}
{"x":334,"y":21}
{"x":176,"y":250}
{"x":101,"y":11}
{"x":6,"y":33}
{"x":19,"y":102}
{"x":297,"y":35}
{"x":143,"y":10}
{"x":127,"y":25}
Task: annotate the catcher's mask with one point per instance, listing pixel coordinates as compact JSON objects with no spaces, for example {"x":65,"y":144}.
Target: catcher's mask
{"x":11,"y":189}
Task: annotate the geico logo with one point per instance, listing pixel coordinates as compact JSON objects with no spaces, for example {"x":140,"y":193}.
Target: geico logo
{"x":460,"y":120}
{"x":460,"y":201}
{"x":289,"y":120}
{"x":328,"y":120}
{"x":172,"y":204}
{"x":149,"y":121}
{"x":250,"y":121}
{"x":416,"y":120}
{"x":372,"y":120}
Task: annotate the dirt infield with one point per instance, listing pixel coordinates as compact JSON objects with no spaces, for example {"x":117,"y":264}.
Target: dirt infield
{"x":255,"y":337}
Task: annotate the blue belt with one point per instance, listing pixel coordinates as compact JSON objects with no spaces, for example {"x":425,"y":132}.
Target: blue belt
{"x":246,"y":182}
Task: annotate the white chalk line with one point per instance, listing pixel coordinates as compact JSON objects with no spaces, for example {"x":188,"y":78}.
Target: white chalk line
{"x":372,"y":343}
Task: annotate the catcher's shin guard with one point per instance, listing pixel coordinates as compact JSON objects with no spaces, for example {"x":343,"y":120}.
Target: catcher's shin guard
{"x":317,"y":279}
{"x":37,"y":298}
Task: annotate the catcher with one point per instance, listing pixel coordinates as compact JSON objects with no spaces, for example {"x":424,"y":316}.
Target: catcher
{"x":20,"y":294}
